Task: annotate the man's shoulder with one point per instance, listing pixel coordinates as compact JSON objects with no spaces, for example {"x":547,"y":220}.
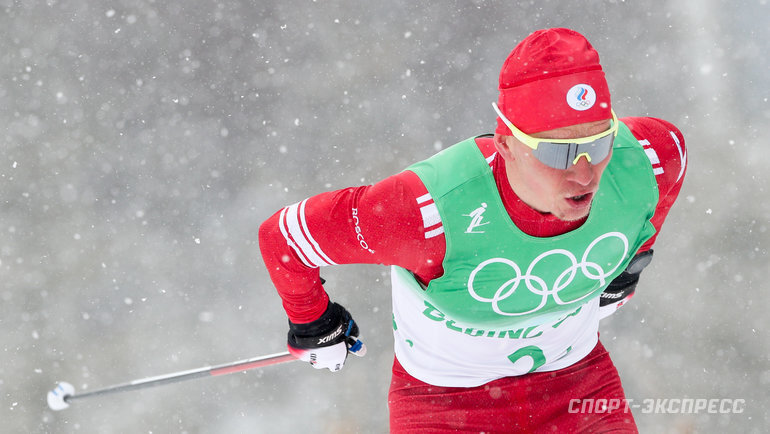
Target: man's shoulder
{"x":410,"y":179}
{"x":486,"y":145}
{"x":664,"y":145}
{"x":650,"y":128}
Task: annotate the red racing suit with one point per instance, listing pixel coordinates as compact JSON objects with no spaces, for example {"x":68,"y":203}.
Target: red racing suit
{"x":387,"y":223}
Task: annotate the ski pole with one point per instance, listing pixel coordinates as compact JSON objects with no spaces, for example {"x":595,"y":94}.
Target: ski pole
{"x":64,"y":393}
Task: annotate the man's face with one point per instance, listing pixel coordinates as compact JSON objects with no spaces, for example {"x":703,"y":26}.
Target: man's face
{"x":568,"y":193}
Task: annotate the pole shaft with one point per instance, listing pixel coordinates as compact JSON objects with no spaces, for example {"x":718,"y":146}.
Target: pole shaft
{"x":208,"y":371}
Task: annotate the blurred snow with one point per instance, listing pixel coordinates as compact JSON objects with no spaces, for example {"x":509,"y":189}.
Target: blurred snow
{"x":144,"y":141}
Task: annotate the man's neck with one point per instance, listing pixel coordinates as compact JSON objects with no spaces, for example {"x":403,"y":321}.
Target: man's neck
{"x":528,"y":219}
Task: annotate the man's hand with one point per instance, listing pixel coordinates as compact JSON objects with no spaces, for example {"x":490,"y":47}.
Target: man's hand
{"x":326,"y":342}
{"x":620,"y":290}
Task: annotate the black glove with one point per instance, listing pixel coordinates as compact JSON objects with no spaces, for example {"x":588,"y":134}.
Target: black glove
{"x":326,"y":342}
{"x":622,"y":288}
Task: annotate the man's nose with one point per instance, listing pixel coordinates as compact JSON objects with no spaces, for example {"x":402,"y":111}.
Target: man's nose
{"x":581,"y":172}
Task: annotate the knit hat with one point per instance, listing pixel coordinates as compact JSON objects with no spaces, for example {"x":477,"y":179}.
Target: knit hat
{"x":552,"y":79}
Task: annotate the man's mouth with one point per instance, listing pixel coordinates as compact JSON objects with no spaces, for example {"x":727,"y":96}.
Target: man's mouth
{"x":581,"y":199}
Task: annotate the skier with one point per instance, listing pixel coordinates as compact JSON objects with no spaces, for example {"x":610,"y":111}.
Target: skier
{"x":506,"y":251}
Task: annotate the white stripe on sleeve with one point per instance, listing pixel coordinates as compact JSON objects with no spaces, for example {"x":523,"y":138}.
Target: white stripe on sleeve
{"x":435,"y":232}
{"x":424,"y":198}
{"x":682,"y":156}
{"x":306,"y":231}
{"x":287,"y":237}
{"x":297,"y":228}
{"x":430,"y":215}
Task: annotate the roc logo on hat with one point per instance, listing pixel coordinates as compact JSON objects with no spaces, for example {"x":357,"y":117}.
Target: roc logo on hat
{"x":581,"y":97}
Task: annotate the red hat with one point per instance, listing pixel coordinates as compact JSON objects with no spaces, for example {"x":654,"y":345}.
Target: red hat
{"x":552,"y":79}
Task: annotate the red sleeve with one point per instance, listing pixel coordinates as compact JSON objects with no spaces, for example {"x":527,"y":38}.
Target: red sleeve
{"x":392,"y":222}
{"x":664,"y":145}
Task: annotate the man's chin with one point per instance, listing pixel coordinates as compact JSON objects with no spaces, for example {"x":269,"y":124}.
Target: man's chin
{"x":572,"y":214}
{"x":572,"y":217}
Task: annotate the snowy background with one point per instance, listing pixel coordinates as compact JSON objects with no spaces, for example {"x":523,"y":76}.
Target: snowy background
{"x":143,"y":141}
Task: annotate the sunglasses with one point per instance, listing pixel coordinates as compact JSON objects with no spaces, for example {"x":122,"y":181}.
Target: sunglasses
{"x":562,"y":153}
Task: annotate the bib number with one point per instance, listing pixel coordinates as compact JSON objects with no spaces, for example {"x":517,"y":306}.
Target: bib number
{"x":531,"y":351}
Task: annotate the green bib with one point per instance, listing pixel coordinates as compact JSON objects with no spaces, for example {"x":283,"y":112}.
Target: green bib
{"x":495,"y":275}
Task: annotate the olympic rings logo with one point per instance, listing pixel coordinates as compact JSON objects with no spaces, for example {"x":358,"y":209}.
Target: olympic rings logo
{"x":582,"y":103}
{"x":538,"y":286}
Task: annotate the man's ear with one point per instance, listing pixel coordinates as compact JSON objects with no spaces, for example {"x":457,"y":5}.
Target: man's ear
{"x":502,"y":147}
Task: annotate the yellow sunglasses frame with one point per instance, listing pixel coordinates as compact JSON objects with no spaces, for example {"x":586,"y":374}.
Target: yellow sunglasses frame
{"x":533,"y":142}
